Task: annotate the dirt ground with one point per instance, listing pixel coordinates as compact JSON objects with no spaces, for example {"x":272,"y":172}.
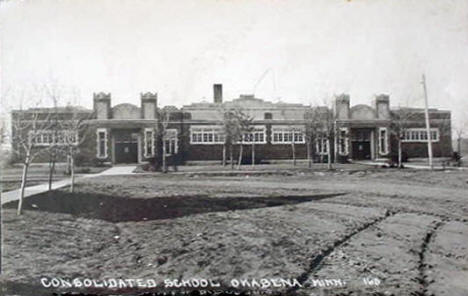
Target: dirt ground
{"x":364,"y":232}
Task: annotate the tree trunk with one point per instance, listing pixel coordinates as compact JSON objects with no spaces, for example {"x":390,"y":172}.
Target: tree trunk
{"x":72,"y":173}
{"x":253,"y":154}
{"x":240,"y":156}
{"x":321,"y":158}
{"x":164,"y":165}
{"x":335,"y":145}
{"x":68,"y":165}
{"x":51,"y":169}
{"x":224,"y":154}
{"x":293,"y":146}
{"x":309,"y":156}
{"x":459,"y":145}
{"x":400,"y":162}
{"x":23,"y":184}
{"x":231,"y":158}
{"x":329,"y":155}
{"x":174,"y":162}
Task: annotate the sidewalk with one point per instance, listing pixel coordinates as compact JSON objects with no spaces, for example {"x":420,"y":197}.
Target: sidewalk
{"x":408,"y":165}
{"x":33,"y":190}
{"x":118,"y":170}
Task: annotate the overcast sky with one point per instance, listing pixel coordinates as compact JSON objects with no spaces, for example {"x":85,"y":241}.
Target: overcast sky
{"x":305,"y":50}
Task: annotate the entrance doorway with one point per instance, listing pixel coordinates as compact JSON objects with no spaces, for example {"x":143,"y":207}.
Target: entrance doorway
{"x":361,"y":144}
{"x":126,"y":146}
{"x":361,"y":150}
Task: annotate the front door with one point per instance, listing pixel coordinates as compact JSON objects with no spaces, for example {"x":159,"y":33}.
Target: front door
{"x":126,"y":147}
{"x":361,"y":143}
{"x":361,"y":150}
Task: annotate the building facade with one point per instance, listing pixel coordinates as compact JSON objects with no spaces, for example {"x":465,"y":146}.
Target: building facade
{"x":126,"y":133}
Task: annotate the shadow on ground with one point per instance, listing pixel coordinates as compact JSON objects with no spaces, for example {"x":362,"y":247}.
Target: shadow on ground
{"x":123,"y":209}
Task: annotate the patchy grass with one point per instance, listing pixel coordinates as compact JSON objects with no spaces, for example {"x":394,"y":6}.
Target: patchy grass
{"x":38,"y":174}
{"x":13,"y":185}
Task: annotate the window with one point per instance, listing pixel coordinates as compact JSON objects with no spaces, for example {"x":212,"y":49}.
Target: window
{"x":343,"y":141}
{"x":171,"y":142}
{"x":149,"y":142}
{"x":287,"y":135}
{"x":322,"y":145}
{"x":420,"y":135}
{"x":101,"y":143}
{"x":206,"y":135}
{"x":383,"y":141}
{"x":268,"y":116}
{"x":256,"y":136}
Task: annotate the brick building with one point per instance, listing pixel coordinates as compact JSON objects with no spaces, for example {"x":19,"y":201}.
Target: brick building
{"x":44,"y":128}
{"x":126,"y":133}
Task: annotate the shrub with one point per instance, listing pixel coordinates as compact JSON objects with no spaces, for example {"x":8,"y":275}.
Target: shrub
{"x":343,"y":159}
{"x":7,"y":159}
{"x":248,"y":159}
{"x":99,"y":162}
{"x":82,"y":160}
{"x":394,"y":156}
{"x":151,"y":166}
{"x":83,"y":171}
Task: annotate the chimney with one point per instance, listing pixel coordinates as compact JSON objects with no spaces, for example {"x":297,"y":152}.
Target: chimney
{"x":102,"y":105}
{"x":149,"y":104}
{"x":382,"y":106}
{"x":342,"y":106}
{"x":218,"y":93}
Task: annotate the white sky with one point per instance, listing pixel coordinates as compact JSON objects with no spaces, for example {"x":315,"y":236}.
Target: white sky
{"x":311,"y":49}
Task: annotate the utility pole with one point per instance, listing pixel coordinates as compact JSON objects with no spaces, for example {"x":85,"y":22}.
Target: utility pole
{"x":428,"y":127}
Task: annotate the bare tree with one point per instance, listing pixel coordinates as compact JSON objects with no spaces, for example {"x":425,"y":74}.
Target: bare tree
{"x":30,"y":137}
{"x":401,"y":122}
{"x":460,"y":131}
{"x":53,"y":94}
{"x":3,"y":131}
{"x":244,"y":131}
{"x":328,"y":128}
{"x":230,"y":133}
{"x":73,"y":131}
{"x":163,"y":136}
{"x":313,"y":126}
{"x":162,"y":131}
{"x":295,"y":132}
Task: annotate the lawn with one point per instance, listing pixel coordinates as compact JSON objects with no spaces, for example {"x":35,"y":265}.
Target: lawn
{"x":10,"y":177}
{"x":374,"y":231}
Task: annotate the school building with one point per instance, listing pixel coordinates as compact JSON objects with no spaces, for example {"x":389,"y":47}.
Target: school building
{"x":127,"y":133}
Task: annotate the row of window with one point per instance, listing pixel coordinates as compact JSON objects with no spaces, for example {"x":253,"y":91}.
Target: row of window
{"x":287,"y":135}
{"x":215,"y":135}
{"x":420,"y":135}
{"x":49,"y":138}
{"x":206,"y":135}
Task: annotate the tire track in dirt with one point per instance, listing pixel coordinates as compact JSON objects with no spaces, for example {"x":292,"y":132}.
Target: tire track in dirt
{"x":316,"y":262}
{"x":400,"y":210}
{"x":423,"y":261}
